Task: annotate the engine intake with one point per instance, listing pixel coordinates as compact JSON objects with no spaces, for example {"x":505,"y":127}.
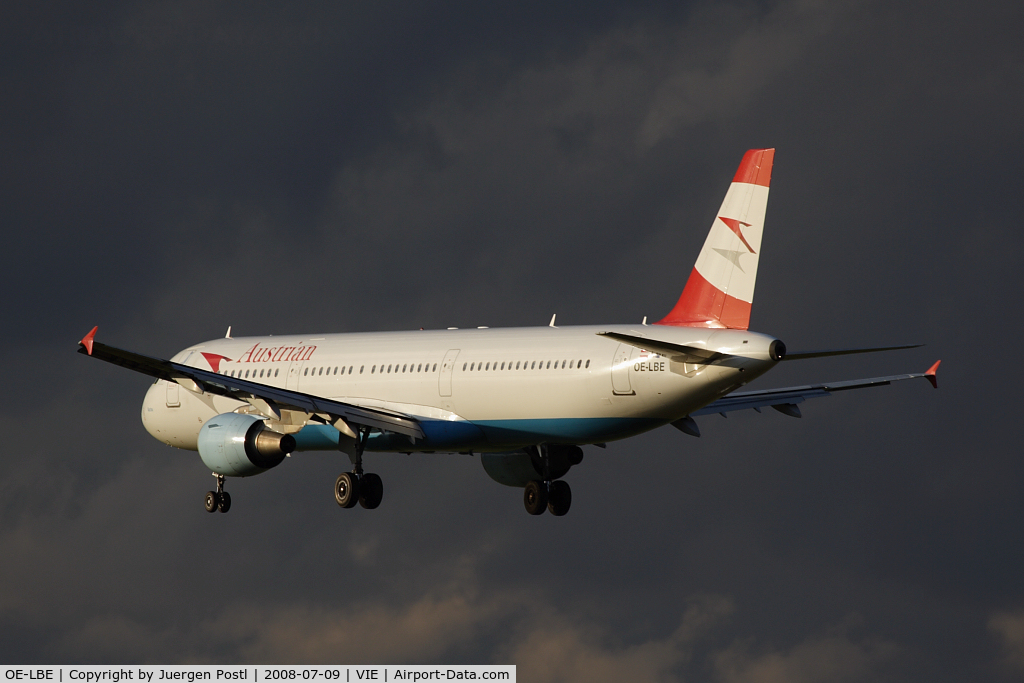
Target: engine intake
{"x":241,"y":445}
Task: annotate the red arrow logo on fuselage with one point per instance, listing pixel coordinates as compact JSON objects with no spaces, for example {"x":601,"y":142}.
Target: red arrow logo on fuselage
{"x":734,"y":225}
{"x":214,"y":360}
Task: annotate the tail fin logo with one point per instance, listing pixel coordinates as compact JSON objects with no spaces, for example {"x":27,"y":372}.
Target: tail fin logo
{"x":214,"y":360}
{"x":734,"y":225}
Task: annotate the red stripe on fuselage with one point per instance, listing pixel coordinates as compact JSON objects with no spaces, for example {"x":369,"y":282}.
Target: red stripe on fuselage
{"x":704,"y":305}
{"x":756,"y":167}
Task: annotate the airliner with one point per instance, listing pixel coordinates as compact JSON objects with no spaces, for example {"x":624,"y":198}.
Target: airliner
{"x":526,"y":400}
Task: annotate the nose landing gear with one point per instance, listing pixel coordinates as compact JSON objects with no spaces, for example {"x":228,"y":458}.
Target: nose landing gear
{"x":219,"y":499}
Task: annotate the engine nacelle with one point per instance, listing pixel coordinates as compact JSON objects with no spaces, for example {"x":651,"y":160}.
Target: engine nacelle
{"x":519,"y":468}
{"x":241,"y":445}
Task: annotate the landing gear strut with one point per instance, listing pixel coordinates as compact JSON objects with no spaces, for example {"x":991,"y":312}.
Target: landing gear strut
{"x":219,"y":499}
{"x":355,"y":486}
{"x":554,"y":495}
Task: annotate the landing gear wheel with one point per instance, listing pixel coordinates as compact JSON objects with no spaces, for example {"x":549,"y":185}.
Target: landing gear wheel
{"x":346,"y":490}
{"x":211,"y":501}
{"x":559,"y":498}
{"x":371,"y":491}
{"x":224,"y":501}
{"x":535,"y":497}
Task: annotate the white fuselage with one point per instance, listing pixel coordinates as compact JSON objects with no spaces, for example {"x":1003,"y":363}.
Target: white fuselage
{"x":475,"y":389}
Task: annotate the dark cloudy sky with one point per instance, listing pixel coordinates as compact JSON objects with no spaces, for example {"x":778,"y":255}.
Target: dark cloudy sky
{"x":172,"y":169}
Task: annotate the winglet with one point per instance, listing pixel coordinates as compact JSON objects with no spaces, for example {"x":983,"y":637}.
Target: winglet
{"x":930,"y":374}
{"x":87,"y":340}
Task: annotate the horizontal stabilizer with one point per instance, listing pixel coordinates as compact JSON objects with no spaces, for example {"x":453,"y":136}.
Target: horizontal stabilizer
{"x":822,"y":353}
{"x":679,"y":353}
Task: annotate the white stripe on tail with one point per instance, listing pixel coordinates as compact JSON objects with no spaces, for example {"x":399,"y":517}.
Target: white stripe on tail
{"x":720,"y":290}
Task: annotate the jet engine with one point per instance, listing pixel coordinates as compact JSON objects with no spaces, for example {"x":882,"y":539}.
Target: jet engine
{"x":521,"y":467}
{"x":241,"y":445}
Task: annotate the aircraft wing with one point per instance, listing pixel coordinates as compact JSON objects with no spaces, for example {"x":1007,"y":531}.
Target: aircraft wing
{"x":268,"y":398}
{"x":793,"y":395}
{"x":785,"y":399}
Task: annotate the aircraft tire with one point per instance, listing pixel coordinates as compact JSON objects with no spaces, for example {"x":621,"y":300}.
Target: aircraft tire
{"x":223,"y":501}
{"x":371,"y":491}
{"x":346,"y":490}
{"x":211,"y":501}
{"x":535,"y":497}
{"x":559,"y":498}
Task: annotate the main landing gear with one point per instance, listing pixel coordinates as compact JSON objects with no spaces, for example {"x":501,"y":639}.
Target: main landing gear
{"x":355,"y":486}
{"x":552,"y":494}
{"x":555,"y":496}
{"x":219,"y":499}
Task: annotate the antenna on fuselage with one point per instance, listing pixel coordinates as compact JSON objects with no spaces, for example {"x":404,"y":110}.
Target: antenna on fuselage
{"x":227,"y":335}
{"x":552,"y":323}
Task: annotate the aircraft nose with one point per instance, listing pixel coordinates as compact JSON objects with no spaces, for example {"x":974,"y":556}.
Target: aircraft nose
{"x":150,"y":405}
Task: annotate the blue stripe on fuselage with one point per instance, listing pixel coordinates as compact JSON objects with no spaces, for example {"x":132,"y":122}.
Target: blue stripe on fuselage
{"x":443,"y":435}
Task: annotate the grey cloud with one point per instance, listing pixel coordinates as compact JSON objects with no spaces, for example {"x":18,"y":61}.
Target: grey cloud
{"x":173,"y":171}
{"x":818,"y":659}
{"x":1008,"y":629}
{"x":731,"y":78}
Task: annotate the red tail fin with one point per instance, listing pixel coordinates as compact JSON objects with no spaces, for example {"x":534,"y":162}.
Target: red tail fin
{"x":720,"y":290}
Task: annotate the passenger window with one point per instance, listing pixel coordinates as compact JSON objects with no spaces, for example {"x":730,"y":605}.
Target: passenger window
{"x":563,"y":365}
{"x":403,"y":368}
{"x":276,"y":371}
{"x":361,"y":369}
{"x":579,"y":364}
{"x":588,"y":364}
{"x":488,"y":367}
{"x":350,"y":368}
{"x":472,"y":365}
{"x":533,"y":365}
{"x":389,"y":369}
{"x":373,"y":369}
{"x":463,"y":366}
{"x":502,"y":365}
